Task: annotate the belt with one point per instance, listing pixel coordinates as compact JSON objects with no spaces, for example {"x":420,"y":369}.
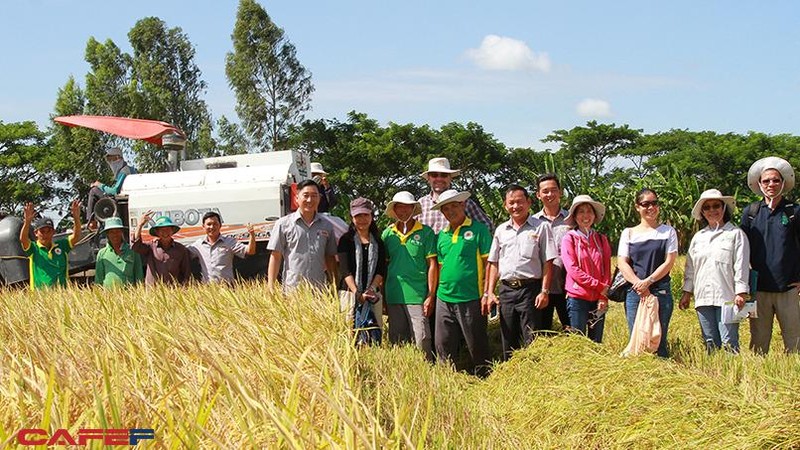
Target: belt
{"x":518,"y":283}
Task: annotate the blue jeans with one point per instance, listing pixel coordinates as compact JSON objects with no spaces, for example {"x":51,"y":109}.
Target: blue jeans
{"x":663,"y":291}
{"x":715,"y":333}
{"x":578,"y":311}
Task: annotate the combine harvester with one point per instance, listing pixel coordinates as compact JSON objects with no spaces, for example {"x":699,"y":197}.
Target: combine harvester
{"x":251,"y":188}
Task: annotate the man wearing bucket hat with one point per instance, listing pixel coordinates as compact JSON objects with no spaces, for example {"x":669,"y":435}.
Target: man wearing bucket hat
{"x":98,"y":190}
{"x":521,"y":257}
{"x":47,"y":257}
{"x":772,"y":227}
{"x":117,"y":264}
{"x":327,"y":196}
{"x":412,"y":275}
{"x":440,"y":177}
{"x":166,"y":260}
{"x":463,"y":247}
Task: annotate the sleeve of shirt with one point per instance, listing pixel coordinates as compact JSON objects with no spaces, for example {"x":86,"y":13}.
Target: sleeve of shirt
{"x":741,"y":266}
{"x":476,"y":213}
{"x":99,"y":268}
{"x":239,"y":248}
{"x":185,"y":273}
{"x":382,"y":267}
{"x":439,"y":253}
{"x":276,"y":239}
{"x":344,"y":249}
{"x":138,"y":270}
{"x":331,"y":244}
{"x":622,"y":250}
{"x":494,"y":250}
{"x":140,"y":247}
{"x":672,"y":242}
{"x":688,"y":270}
{"x":430,"y":242}
{"x":548,"y":251}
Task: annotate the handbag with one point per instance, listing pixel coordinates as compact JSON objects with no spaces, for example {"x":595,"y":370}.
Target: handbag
{"x":619,"y":288}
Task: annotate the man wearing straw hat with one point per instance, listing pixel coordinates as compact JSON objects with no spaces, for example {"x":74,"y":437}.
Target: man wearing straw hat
{"x":47,"y":257}
{"x":327,"y":196}
{"x":117,"y":264}
{"x":772,"y":227}
{"x":412,"y":275}
{"x":167,"y":261}
{"x":521,"y":257}
{"x":462,"y":247}
{"x":440,"y":177}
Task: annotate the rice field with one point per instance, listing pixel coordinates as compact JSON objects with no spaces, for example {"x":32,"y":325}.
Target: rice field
{"x":220,"y":367}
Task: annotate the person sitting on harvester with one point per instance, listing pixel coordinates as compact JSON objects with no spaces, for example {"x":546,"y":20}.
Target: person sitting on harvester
{"x":121,"y":169}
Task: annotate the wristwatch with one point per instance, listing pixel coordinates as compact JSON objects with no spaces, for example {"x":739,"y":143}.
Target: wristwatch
{"x":546,"y":291}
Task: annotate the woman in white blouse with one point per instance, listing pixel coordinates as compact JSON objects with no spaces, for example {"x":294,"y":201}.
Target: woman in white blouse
{"x":716,"y":269}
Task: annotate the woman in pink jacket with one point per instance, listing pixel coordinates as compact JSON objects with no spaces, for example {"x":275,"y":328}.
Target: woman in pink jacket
{"x":587,"y":261}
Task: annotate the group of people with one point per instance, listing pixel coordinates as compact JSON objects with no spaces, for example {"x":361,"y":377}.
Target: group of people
{"x":440,"y":268}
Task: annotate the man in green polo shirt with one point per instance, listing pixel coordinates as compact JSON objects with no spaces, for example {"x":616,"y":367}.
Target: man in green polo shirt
{"x":412,"y":274}
{"x":47,"y":258}
{"x":117,"y":264}
{"x":463,"y":248}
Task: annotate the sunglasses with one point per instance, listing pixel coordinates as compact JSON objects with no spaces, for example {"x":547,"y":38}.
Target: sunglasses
{"x":438,"y":174}
{"x":710,"y":206}
{"x":647,"y":204}
{"x":771,"y":181}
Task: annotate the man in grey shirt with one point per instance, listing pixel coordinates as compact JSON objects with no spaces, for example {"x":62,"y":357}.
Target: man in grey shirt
{"x":304,"y":242}
{"x":216,"y":251}
{"x":548,"y":191}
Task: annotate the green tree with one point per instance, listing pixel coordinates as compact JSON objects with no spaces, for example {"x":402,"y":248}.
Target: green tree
{"x":597,"y":143}
{"x":273,"y":89}
{"x":25,"y":173}
{"x":232,"y":140}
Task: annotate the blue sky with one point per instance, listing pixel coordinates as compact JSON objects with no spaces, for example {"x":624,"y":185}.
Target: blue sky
{"x":519,"y":68}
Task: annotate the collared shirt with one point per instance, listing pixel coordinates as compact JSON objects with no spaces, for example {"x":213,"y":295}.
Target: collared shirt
{"x":304,"y":248}
{"x":48,"y":266}
{"x":112,"y":269}
{"x":461,"y":253}
{"x":717,"y":265}
{"x":407,"y":276}
{"x":774,"y":245}
{"x":165,"y":265}
{"x":436,"y":220}
{"x":521,"y":253}
{"x":216,"y":260}
{"x":559,"y":228}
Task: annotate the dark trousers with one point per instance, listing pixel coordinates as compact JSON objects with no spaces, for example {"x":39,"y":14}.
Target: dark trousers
{"x":557,"y":303}
{"x":455,"y":321}
{"x":95,"y":194}
{"x":519,"y":318}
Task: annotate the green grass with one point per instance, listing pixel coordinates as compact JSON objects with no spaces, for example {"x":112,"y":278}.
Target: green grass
{"x":214,"y":367}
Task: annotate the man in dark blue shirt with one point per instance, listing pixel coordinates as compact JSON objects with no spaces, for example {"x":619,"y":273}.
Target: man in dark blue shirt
{"x":772,"y":227}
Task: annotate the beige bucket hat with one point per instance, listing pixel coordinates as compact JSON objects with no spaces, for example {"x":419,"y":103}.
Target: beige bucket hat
{"x":440,"y":165}
{"x":770,"y":162}
{"x":450,"y":196}
{"x":405,"y":198}
{"x":712,"y":194}
{"x":599,"y":209}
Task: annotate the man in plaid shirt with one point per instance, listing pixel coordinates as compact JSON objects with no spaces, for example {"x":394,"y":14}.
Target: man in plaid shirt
{"x":440,"y":176}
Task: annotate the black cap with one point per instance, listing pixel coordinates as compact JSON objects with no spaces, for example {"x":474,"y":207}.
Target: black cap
{"x":43,"y":222}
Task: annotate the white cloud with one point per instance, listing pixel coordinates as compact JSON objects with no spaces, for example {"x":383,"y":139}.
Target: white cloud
{"x":592,"y":107}
{"x":505,"y":53}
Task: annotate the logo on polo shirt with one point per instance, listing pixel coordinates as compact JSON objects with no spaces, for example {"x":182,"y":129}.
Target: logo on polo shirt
{"x":534,"y":236}
{"x":323,"y":233}
{"x":57,"y":251}
{"x":469,"y":235}
{"x":417,"y":237}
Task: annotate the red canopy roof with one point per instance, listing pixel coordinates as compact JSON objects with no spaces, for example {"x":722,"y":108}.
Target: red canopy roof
{"x":142,"y":129}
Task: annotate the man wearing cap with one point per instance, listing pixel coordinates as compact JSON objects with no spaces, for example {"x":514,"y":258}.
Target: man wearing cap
{"x":47,"y":258}
{"x":412,"y":276}
{"x":771,"y":225}
{"x":304,"y":242}
{"x":327,"y":196}
{"x":167,"y":261}
{"x":548,"y":191}
{"x":117,"y":264}
{"x":462,"y":247}
{"x":521,"y":257}
{"x":440,"y":177}
{"x":215,"y":251}
{"x":121,"y":169}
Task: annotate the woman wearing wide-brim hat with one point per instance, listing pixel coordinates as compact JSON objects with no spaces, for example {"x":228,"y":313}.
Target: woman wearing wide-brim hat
{"x":586,"y":254}
{"x":717,"y":270}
